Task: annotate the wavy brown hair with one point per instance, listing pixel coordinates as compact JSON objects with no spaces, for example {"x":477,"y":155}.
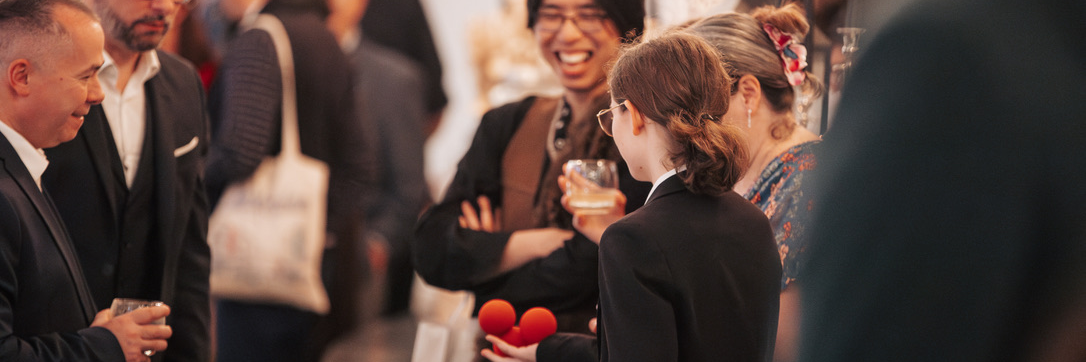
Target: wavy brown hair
{"x":746,"y":49}
{"x":678,"y":81}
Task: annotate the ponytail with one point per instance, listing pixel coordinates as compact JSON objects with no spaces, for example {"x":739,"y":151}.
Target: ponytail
{"x":678,"y":81}
{"x":714,"y":152}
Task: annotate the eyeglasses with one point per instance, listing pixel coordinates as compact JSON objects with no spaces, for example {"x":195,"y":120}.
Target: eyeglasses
{"x":178,"y":2}
{"x":586,"y":21}
{"x":607,"y":118}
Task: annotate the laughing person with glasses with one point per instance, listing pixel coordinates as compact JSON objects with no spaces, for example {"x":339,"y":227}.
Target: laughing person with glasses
{"x":588,"y":20}
{"x":501,"y":230}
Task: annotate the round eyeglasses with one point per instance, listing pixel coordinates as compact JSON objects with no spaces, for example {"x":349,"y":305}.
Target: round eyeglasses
{"x":550,"y":21}
{"x":606,"y":118}
{"x":178,"y":2}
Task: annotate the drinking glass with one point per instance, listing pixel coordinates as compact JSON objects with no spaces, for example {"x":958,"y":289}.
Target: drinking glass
{"x":125,"y":305}
{"x":591,"y":185}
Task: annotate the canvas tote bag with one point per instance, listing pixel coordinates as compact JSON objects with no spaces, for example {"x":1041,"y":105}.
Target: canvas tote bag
{"x":268,"y":232}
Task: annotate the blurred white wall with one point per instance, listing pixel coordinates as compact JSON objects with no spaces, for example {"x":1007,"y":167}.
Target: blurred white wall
{"x":449,"y":20}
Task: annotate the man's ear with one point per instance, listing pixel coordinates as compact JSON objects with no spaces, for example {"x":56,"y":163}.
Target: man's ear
{"x":751,"y":90}
{"x":18,"y":76}
{"x":637,"y":119}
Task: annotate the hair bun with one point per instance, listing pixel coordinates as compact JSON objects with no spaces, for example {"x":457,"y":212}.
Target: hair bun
{"x":789,"y":18}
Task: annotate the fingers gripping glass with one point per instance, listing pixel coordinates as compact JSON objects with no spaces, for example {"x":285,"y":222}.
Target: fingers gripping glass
{"x":607,"y":118}
{"x":588,"y":22}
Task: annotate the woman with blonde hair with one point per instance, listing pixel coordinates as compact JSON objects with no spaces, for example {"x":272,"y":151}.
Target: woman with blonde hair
{"x":763,"y":54}
{"x":693,"y":274}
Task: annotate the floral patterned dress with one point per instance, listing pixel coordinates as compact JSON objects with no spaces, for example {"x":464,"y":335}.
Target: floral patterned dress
{"x":779,"y":193}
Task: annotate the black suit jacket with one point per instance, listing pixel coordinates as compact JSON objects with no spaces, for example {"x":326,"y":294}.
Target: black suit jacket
{"x":689,"y":278}
{"x":686,"y":277}
{"x":83,"y":184}
{"x":45,"y":305}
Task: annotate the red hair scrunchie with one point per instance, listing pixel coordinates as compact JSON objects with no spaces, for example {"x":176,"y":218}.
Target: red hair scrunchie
{"x":793,"y":54}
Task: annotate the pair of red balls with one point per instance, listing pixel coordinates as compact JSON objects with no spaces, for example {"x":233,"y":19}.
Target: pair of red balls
{"x":498,"y":317}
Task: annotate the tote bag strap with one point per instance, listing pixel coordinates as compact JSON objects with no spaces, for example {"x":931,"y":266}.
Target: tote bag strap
{"x":269,"y":23}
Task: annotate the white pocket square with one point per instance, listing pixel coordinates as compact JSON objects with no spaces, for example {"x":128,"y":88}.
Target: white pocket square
{"x":181,"y":151}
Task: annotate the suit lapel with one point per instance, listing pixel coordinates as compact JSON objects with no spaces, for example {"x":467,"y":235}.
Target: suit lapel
{"x":99,"y":141}
{"x":15,"y":167}
{"x":67,"y":250}
{"x":162,"y":113}
{"x":161,"y":132}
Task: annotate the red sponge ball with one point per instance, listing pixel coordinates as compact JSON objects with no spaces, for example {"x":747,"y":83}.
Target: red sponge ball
{"x":537,"y":323}
{"x":514,"y":337}
{"x":497,"y":317}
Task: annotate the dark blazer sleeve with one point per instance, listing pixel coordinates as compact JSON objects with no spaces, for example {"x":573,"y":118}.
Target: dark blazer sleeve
{"x":568,"y":347}
{"x":567,"y":279}
{"x":564,"y":281}
{"x":635,"y":282}
{"x":75,"y":345}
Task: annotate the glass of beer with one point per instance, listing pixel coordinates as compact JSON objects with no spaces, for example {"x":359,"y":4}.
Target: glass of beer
{"x":591,"y":185}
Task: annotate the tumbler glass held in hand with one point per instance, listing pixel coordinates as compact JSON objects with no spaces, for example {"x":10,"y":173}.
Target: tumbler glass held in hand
{"x":591,"y":185}
{"x":124,"y":305}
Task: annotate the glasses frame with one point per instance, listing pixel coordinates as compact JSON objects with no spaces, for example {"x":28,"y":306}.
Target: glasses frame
{"x":574,"y":19}
{"x":599,"y":118}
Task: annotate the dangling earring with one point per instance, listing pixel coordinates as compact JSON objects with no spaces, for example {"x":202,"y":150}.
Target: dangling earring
{"x":749,"y":111}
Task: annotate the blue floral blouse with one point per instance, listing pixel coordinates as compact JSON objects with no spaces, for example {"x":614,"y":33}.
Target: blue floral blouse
{"x":779,"y":193}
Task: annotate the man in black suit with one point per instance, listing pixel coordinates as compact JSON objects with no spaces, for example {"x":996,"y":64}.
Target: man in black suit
{"x":130,"y":185}
{"x":51,"y":53}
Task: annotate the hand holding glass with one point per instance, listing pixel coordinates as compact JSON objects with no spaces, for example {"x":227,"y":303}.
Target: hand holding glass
{"x":591,"y":185}
{"x":124,"y":305}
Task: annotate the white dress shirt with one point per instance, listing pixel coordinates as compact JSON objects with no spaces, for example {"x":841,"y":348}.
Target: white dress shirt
{"x":127,"y":112}
{"x":663,"y":177}
{"x":33,"y":158}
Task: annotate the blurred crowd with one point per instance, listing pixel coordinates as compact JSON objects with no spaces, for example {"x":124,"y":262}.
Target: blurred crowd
{"x":822,"y":180}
